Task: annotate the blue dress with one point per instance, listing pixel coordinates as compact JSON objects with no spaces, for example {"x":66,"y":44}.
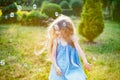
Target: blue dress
{"x":68,"y":61}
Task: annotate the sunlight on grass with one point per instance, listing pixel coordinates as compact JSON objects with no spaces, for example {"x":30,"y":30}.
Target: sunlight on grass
{"x":19,"y":43}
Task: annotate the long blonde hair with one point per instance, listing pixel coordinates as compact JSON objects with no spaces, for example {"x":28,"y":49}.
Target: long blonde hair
{"x":65,"y":26}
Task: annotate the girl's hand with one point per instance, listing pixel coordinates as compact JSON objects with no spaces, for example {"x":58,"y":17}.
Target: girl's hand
{"x":58,"y":71}
{"x":87,"y":66}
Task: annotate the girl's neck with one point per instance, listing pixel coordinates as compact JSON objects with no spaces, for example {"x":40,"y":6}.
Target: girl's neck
{"x":63,"y":41}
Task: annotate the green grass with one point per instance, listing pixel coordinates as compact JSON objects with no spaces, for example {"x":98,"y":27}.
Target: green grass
{"x":19,"y":43}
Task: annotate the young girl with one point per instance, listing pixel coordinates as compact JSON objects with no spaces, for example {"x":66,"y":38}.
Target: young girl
{"x":64,"y":51}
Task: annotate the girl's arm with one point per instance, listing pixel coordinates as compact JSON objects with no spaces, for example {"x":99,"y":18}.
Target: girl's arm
{"x":53,"y":57}
{"x":80,"y":52}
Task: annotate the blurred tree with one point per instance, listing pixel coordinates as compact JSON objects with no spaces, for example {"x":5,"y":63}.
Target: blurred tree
{"x":19,"y":2}
{"x":91,"y":24}
{"x":58,"y":1}
{"x":66,"y":8}
{"x":55,"y":1}
{"x":107,"y":7}
{"x":111,"y":9}
{"x":76,"y":6}
{"x":8,"y":6}
{"x":28,"y":2}
{"x":39,"y":2}
{"x":9,"y":9}
{"x":64,"y":5}
{"x":116,"y":10}
{"x":51,"y":9}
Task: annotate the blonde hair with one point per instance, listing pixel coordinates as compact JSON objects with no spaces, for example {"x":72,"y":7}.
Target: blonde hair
{"x":65,"y":26}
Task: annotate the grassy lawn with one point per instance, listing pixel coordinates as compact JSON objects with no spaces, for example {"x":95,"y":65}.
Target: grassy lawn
{"x":18,"y":45}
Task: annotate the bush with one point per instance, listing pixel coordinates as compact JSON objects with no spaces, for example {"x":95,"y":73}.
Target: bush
{"x":58,"y":1}
{"x":76,"y":6}
{"x":55,"y":1}
{"x":8,"y":9}
{"x":19,"y":2}
{"x":64,"y":5}
{"x":8,"y":6}
{"x":67,"y":12}
{"x":50,"y":9}
{"x":6,"y":19}
{"x":22,"y":15}
{"x":91,"y":24}
{"x":116,"y":11}
{"x":39,"y":2}
{"x":36,"y":18}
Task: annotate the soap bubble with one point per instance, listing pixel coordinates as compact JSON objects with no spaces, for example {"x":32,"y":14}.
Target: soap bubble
{"x":56,"y":13}
{"x":56,"y":27}
{"x":38,"y":70}
{"x":2,"y":62}
{"x":25,"y":64}
{"x":6,"y":17}
{"x":64,"y":24}
{"x":10,"y":40}
{"x":48,"y":59}
{"x":34,"y":6}
{"x":19,"y":7}
{"x":94,"y":58}
{"x":11,"y":14}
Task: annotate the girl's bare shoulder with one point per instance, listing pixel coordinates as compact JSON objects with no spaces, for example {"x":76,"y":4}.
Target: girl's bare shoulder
{"x":55,"y":41}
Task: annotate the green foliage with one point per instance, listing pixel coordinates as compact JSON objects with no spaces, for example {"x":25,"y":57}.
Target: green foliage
{"x":8,"y":9}
{"x":116,"y":11}
{"x":67,"y":12}
{"x":113,"y":8}
{"x":8,"y":6}
{"x":91,"y":24}
{"x":19,"y":1}
{"x":6,"y":19}
{"x":39,"y":2}
{"x":36,"y":18}
{"x":28,"y":2}
{"x":50,"y":9}
{"x":6,"y":2}
{"x":76,"y":6}
{"x":107,"y":8}
{"x":106,"y":3}
{"x":58,"y":1}
{"x":55,"y":1}
{"x":64,"y":5}
{"x":22,"y":15}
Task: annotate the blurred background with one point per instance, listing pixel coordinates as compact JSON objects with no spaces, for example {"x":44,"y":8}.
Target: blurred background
{"x":24,"y":38}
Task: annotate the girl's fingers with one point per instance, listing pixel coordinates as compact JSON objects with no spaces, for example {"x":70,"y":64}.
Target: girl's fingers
{"x":88,"y":66}
{"x":58,"y":71}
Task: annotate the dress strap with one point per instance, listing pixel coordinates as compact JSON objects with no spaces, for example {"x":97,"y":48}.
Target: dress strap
{"x":58,"y":41}
{"x":61,"y":43}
